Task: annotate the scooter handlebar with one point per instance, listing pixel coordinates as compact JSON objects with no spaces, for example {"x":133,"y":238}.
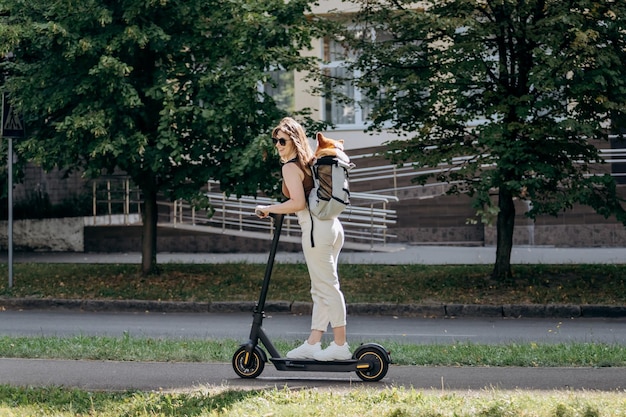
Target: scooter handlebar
{"x":259,"y":213}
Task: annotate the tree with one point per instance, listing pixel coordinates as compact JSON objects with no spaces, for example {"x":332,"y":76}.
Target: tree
{"x":165,"y":91}
{"x":509,"y":96}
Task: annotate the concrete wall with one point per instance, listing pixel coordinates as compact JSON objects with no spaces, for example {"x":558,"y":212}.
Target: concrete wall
{"x":565,"y":236}
{"x":55,"y":235}
{"x":71,"y":235}
{"x":128,"y":239}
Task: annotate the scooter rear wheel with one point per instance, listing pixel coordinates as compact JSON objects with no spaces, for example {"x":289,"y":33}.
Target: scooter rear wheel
{"x":378,"y":364}
{"x":248,"y":365}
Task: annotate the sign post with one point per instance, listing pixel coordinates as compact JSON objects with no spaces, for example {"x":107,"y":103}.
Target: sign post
{"x":12,"y":127}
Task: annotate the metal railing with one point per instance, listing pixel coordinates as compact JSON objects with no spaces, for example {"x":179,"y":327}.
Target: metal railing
{"x":366,"y":220}
{"x":116,"y":201}
{"x":394,"y":174}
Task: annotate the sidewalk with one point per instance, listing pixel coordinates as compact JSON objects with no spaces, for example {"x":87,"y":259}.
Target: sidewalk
{"x":397,"y":255}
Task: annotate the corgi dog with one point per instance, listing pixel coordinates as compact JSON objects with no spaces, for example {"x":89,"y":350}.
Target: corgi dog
{"x":329,"y":147}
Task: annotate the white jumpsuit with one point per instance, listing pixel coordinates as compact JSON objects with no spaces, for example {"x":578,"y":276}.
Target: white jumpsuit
{"x":328,"y":302}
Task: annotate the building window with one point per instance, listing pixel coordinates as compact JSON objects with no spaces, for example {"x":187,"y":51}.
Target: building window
{"x":281,"y":88}
{"x":344,"y":106}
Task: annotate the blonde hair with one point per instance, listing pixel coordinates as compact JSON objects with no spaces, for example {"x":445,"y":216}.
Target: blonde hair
{"x":296,"y":133}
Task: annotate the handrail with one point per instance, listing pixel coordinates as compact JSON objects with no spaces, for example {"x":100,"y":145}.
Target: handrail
{"x":363,"y":221}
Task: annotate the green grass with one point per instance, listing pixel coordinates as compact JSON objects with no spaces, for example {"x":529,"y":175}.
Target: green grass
{"x":129,"y":348}
{"x":467,"y":284}
{"x":354,"y":402}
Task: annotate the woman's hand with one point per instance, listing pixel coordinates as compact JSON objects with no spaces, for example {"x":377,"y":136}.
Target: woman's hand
{"x":262,"y":211}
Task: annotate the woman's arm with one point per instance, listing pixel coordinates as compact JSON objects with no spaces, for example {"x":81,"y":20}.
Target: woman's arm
{"x":293,"y":190}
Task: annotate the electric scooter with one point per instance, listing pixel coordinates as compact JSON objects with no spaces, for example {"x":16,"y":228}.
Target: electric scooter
{"x":370,"y":361}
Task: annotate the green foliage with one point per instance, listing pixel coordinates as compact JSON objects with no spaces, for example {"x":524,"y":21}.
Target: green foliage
{"x":165,"y":91}
{"x":507,"y":95}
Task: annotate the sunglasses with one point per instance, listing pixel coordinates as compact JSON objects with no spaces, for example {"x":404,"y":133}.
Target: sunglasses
{"x":282,"y":141}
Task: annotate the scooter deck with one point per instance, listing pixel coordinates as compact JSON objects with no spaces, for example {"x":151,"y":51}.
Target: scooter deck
{"x":350,"y":365}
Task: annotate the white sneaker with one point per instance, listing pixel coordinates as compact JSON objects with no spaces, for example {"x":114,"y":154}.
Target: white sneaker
{"x":334,"y":353}
{"x":305,"y":351}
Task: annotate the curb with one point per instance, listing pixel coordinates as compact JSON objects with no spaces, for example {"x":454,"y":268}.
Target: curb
{"x":304,"y":308}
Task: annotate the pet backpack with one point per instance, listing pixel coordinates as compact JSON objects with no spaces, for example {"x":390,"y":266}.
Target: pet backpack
{"x":331,"y":190}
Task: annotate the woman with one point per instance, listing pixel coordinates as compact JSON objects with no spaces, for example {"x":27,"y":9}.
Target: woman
{"x":329,"y":306}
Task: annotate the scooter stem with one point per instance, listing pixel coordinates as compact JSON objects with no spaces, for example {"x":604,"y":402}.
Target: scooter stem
{"x":278,"y":225}
{"x":256,"y":331}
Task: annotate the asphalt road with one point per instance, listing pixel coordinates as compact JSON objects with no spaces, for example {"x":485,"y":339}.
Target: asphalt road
{"x":112,"y":375}
{"x":295,"y":327}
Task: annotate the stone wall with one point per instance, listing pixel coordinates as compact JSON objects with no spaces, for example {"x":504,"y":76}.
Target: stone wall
{"x":471,"y":235}
{"x":564,"y":236}
{"x":52,"y":235}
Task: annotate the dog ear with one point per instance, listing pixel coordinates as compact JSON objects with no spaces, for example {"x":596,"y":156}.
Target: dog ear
{"x":324,"y":142}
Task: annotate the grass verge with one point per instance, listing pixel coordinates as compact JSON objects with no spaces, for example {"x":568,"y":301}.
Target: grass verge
{"x":361,"y":402}
{"x":362,"y":283}
{"x":129,"y":348}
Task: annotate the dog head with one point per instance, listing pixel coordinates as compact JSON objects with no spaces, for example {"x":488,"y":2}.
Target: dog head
{"x":327,"y":146}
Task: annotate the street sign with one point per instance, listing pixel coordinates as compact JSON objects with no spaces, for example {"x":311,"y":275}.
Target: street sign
{"x":12,"y":127}
{"x":12,"y":121}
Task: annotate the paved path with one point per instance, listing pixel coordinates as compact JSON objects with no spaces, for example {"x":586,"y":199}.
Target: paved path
{"x":147,"y":376}
{"x":398,"y":255}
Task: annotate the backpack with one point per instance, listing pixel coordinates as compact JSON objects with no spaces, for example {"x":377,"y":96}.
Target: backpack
{"x":331,"y":186}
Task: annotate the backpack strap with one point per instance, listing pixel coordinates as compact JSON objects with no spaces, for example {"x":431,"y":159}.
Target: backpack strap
{"x":312,"y":224}
{"x":315,"y":181}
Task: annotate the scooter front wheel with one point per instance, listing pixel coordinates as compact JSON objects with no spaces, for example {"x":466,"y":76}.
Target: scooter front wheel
{"x":378,"y":364}
{"x":248,"y":365}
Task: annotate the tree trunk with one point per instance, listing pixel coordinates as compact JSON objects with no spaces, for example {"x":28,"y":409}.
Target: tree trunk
{"x":504,"y":231}
{"x":149,"y":234}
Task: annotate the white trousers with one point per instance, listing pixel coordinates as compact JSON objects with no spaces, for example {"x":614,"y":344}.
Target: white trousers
{"x":329,"y":306}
